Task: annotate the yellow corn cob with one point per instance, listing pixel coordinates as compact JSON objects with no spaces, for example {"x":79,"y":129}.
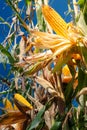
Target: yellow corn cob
{"x":76,"y":56}
{"x":8,"y":105}
{"x":66,"y":71}
{"x":22,"y":100}
{"x":55,"y":20}
{"x":66,"y":77}
{"x":15,"y":107}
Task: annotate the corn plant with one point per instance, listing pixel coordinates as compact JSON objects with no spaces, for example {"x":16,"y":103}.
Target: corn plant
{"x":49,"y":86}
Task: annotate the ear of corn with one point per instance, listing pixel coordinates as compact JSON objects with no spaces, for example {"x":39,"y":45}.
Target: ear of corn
{"x":55,"y":20}
{"x":22,"y":100}
{"x":66,"y":74}
{"x":66,"y":71}
{"x":8,"y":104}
{"x":15,"y":107}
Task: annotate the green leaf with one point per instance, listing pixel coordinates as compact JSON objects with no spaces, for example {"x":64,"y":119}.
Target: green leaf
{"x":56,"y":125}
{"x":82,"y":24}
{"x":28,"y":2}
{"x":5,"y":52}
{"x":37,"y":119}
{"x":82,"y":79}
{"x":36,"y":67}
{"x":84,"y":52}
{"x":83,"y":6}
{"x":1,"y":19}
{"x":4,"y":22}
{"x":6,"y":92}
{"x":85,"y":12}
{"x":69,"y":92}
{"x":40,"y":20}
{"x":81,"y":3}
{"x":61,"y":61}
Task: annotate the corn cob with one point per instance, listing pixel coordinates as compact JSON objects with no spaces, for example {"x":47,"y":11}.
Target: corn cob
{"x":22,"y":100}
{"x":55,"y":20}
{"x":8,"y":104}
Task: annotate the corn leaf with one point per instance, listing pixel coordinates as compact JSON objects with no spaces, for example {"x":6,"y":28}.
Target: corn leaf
{"x":82,"y":23}
{"x":37,"y":119}
{"x":69,"y":92}
{"x":6,"y":53}
{"x":12,"y":118}
{"x":82,"y":92}
{"x":61,"y":61}
{"x":84,"y":52}
{"x":4,"y":22}
{"x":36,"y":67}
{"x":82,"y":79}
{"x":81,"y":2}
{"x":56,"y":125}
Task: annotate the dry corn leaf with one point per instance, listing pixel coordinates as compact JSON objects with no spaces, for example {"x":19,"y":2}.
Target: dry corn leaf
{"x":12,"y":118}
{"x":36,"y":102}
{"x":68,"y":35}
{"x":42,"y":58}
{"x":43,"y":82}
{"x":15,"y":118}
{"x":36,"y":67}
{"x":47,"y":85}
{"x":46,"y":40}
{"x":57,"y":44}
{"x":82,"y":92}
{"x":61,"y":49}
{"x":22,"y":49}
{"x":38,"y":57}
{"x":48,"y":120}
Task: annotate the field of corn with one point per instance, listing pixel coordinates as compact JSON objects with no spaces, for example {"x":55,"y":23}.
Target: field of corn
{"x":48,"y":61}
